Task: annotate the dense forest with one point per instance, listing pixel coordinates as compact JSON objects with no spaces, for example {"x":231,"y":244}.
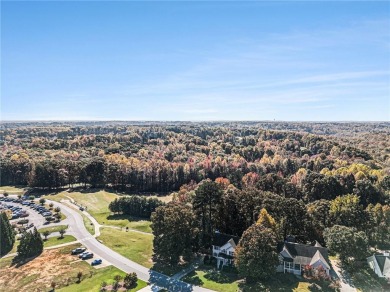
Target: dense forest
{"x":284,"y":167}
{"x":163,"y":157}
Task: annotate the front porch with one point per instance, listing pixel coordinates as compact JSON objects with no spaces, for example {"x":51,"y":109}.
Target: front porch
{"x":223,"y":260}
{"x":290,"y":267}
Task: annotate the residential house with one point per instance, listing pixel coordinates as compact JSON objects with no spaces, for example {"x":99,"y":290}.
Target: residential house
{"x":293,"y":257}
{"x":223,"y":248}
{"x":380,"y":263}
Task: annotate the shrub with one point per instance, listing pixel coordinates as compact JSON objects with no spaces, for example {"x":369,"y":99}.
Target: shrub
{"x":130,"y":280}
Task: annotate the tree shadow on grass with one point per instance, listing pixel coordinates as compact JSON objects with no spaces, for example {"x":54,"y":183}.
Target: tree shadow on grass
{"x":193,"y":279}
{"x":220,"y":277}
{"x":279,"y":282}
{"x":18,"y":261}
{"x":125,"y":217}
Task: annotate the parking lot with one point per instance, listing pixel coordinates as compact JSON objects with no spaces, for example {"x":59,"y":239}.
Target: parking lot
{"x":89,"y":259}
{"x":30,"y":212}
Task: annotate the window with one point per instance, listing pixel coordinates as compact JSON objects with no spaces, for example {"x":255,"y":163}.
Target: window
{"x":297,"y":267}
{"x":216,"y":247}
{"x":289,"y":265}
{"x":231,"y":253}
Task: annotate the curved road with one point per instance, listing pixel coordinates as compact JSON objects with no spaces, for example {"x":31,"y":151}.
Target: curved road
{"x":155,"y":279}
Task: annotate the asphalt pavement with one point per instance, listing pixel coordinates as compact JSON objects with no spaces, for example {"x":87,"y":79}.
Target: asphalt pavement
{"x":155,"y":279}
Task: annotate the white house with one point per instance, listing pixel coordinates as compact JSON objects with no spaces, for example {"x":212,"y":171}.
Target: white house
{"x":223,"y":248}
{"x":380,"y":263}
{"x":293,"y":257}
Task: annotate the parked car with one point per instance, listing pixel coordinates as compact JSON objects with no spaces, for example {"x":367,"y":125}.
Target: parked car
{"x":78,"y":250}
{"x":88,"y":255}
{"x":96,"y":262}
{"x":81,"y":209}
{"x":83,"y":254}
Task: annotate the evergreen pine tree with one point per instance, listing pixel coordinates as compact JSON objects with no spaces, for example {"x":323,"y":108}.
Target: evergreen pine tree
{"x":7,"y":235}
{"x":31,"y":244}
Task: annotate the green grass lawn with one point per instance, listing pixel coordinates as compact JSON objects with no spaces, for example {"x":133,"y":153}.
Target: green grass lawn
{"x":133,"y":245}
{"x":93,"y":284}
{"x":53,"y":228}
{"x":97,"y":205}
{"x":208,"y":277}
{"x":52,"y":241}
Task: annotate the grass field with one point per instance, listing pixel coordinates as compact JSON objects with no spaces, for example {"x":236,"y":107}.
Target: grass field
{"x":133,"y":245}
{"x":56,"y":265}
{"x":53,"y":228}
{"x":97,"y":205}
{"x":12,"y":190}
{"x":208,"y":277}
{"x":36,"y":275}
{"x":93,"y":284}
{"x":52,"y":241}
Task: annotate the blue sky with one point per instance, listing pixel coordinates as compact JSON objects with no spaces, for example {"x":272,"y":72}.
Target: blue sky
{"x":200,"y":60}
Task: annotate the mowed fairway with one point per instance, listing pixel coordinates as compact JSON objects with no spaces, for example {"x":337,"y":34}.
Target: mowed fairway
{"x":135,"y":246}
{"x":97,"y":205}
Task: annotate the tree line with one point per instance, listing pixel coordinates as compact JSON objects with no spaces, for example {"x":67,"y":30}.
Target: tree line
{"x":135,"y":206}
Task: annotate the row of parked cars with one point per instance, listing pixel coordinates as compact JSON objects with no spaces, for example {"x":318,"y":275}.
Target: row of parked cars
{"x":40,"y":209}
{"x":17,"y":212}
{"x":85,"y":255}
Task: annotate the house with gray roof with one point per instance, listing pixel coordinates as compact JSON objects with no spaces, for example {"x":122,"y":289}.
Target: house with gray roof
{"x":293,"y":257}
{"x":380,"y":263}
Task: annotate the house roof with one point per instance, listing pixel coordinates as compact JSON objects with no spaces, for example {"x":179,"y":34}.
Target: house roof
{"x":383,"y":263}
{"x":318,"y":257}
{"x":302,"y":250}
{"x":221,"y":239}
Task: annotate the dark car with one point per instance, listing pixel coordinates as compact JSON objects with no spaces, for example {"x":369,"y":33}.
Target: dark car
{"x":96,"y":262}
{"x":88,"y":255}
{"x":83,"y":254}
{"x":78,"y":250}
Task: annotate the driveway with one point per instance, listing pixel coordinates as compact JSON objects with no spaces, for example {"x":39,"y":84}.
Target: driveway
{"x":345,"y":281}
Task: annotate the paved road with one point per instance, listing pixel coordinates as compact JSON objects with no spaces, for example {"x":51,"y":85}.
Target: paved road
{"x":156,"y":280}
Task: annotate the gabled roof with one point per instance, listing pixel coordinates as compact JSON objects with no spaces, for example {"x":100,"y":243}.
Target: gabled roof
{"x":303,"y":250}
{"x":221,"y":239}
{"x":318,"y":257}
{"x":383,"y":263}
